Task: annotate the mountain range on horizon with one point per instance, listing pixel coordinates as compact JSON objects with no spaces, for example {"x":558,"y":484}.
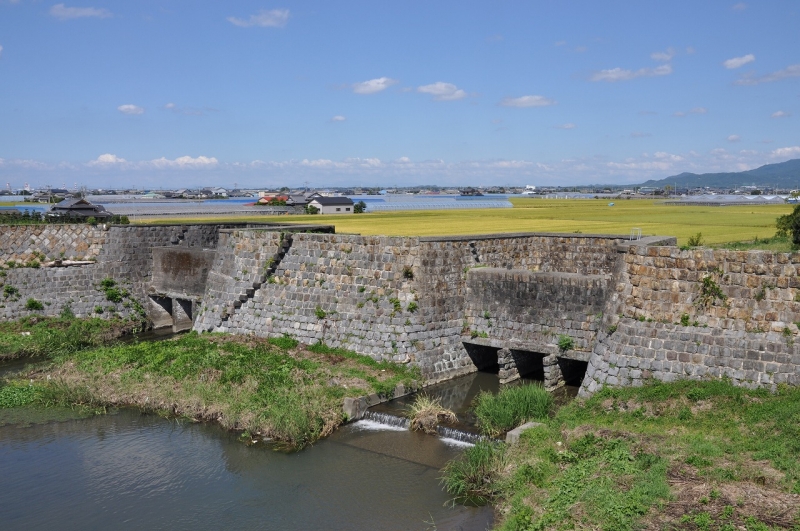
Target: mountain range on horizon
{"x":780,"y":175}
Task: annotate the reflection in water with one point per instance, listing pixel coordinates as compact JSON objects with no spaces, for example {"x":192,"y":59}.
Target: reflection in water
{"x":134,"y":471}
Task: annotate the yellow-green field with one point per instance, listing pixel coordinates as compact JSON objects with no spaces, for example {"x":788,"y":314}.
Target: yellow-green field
{"x":717,"y":224}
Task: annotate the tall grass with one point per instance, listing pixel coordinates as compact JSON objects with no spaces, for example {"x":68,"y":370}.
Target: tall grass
{"x":473,"y":477}
{"x":426,"y":413}
{"x":41,"y":336}
{"x":511,"y":407}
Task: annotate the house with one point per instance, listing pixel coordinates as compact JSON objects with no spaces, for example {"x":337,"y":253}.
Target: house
{"x":78,"y":208}
{"x":332,"y":205}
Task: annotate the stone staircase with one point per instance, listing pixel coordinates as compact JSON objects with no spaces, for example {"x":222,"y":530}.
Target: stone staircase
{"x":274,"y":263}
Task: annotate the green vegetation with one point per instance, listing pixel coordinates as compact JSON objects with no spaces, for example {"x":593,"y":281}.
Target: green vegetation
{"x":426,"y":413}
{"x":511,"y":407}
{"x":685,"y":455}
{"x":33,"y":305}
{"x":565,"y":343}
{"x":266,"y":387}
{"x":50,"y":336}
{"x":475,"y":478}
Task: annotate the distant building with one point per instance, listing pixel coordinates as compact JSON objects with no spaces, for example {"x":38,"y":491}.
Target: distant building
{"x":332,"y":205}
{"x":78,"y":209}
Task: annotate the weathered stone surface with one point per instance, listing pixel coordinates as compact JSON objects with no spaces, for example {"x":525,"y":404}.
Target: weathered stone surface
{"x":513,"y":436}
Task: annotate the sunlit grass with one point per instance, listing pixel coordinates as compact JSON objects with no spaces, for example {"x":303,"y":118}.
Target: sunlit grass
{"x":590,"y":216}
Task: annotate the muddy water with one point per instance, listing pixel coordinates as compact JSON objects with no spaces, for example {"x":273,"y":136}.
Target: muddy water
{"x":132,"y":471}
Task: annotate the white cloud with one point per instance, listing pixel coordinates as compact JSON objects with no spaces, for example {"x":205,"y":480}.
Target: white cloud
{"x":690,"y":50}
{"x":373,"y":85}
{"x":560,"y":43}
{"x":129,"y":108}
{"x":183,"y":162}
{"x":1,"y":51}
{"x":62,"y":12}
{"x":698,"y":110}
{"x":738,"y":62}
{"x":793,"y":151}
{"x":169,"y":106}
{"x":781,"y":114}
{"x":741,"y":6}
{"x":566,"y":126}
{"x":789,"y":71}
{"x":443,"y":91}
{"x":734,"y":138}
{"x":338,"y":118}
{"x":664,"y":56}
{"x":274,"y":18}
{"x":640,"y":134}
{"x":527,"y":101}
{"x":107,"y":159}
{"x":620,"y":74}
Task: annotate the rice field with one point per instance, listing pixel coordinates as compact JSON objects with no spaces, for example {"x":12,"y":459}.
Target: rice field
{"x":717,"y":224}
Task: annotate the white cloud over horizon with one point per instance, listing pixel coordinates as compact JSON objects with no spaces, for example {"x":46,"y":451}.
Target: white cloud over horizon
{"x":734,"y":138}
{"x":738,"y":62}
{"x":272,"y":18}
{"x":740,"y":6}
{"x":527,"y":101}
{"x":781,"y":114}
{"x":1,"y":51}
{"x":619,"y":74}
{"x":338,"y":118}
{"x":373,"y":86}
{"x":788,"y":72}
{"x":566,"y":126}
{"x":62,"y":12}
{"x":130,"y":109}
{"x":442,"y":91}
{"x":375,"y":171}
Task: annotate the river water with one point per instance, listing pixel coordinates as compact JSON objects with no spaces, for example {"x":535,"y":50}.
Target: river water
{"x":128,"y":470}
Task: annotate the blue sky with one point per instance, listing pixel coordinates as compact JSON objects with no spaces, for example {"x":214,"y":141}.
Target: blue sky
{"x":378,"y":93}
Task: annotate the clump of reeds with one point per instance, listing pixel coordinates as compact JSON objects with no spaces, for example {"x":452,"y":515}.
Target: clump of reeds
{"x":426,"y":413}
{"x":472,"y":478}
{"x":511,"y":407}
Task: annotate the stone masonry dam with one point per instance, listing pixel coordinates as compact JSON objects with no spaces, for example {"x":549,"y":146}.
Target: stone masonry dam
{"x":583,"y":309}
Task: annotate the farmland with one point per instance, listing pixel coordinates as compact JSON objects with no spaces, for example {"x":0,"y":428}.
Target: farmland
{"x":717,"y":224}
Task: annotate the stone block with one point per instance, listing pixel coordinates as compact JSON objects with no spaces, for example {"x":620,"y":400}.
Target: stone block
{"x":513,"y":436}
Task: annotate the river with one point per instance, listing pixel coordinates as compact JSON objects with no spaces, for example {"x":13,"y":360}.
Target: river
{"x":128,"y":470}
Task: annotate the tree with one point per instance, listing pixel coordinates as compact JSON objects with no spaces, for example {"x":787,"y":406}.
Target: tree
{"x":311,"y":209}
{"x":359,"y":207}
{"x":790,"y":224}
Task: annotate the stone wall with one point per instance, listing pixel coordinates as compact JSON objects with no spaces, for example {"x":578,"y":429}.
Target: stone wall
{"x":534,"y":309}
{"x":23,"y":243}
{"x":401,"y":299}
{"x":700,"y":314}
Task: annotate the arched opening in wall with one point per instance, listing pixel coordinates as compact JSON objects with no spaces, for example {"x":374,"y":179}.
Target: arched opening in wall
{"x":572,"y":371}
{"x":484,"y":357}
{"x":530,"y":365}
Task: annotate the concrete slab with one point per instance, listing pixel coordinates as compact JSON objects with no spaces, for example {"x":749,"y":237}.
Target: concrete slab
{"x":512,"y":437}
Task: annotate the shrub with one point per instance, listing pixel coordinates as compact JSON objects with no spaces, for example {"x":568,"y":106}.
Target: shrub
{"x":412,"y":307}
{"x":320,"y":313}
{"x":511,"y":407}
{"x":408,"y":273}
{"x":10,"y":291}
{"x":565,"y":343}
{"x":696,"y":240}
{"x":685,"y":319}
{"x":33,"y":305}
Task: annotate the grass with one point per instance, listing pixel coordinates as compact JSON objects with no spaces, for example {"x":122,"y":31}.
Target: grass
{"x":719,"y":224}
{"x":273,"y":388}
{"x":685,"y":455}
{"x":49,"y":336}
{"x":426,"y":413}
{"x":511,"y":407}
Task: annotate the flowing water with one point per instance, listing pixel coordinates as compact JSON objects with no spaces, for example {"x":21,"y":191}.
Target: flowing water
{"x":128,"y":470}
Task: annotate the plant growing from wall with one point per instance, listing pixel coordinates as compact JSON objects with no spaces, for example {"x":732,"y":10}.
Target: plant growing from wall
{"x":565,"y":343}
{"x":685,"y":319}
{"x":33,"y":305}
{"x":710,"y":292}
{"x":320,"y":313}
{"x":412,"y":307}
{"x":10,"y":292}
{"x":408,"y":273}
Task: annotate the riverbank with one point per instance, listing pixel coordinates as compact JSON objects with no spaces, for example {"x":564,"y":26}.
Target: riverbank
{"x":687,"y":455}
{"x":275,"y":389}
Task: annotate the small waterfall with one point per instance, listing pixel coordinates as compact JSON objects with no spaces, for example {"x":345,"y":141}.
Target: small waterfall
{"x":386,"y":419}
{"x":459,"y":435}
